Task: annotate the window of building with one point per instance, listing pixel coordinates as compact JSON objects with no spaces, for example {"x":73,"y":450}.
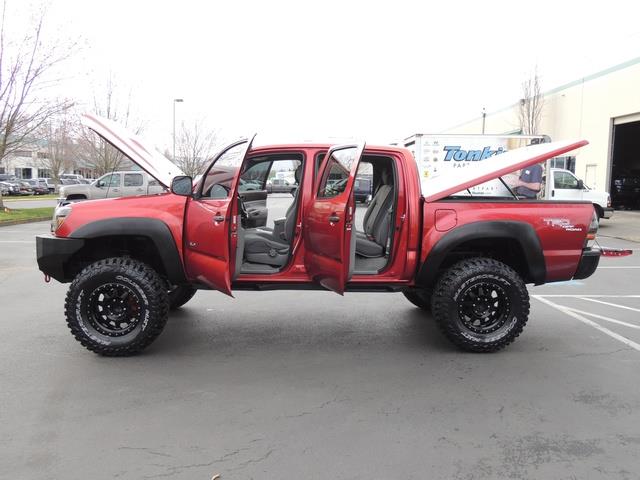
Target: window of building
{"x":44,"y":173}
{"x":23,"y":173}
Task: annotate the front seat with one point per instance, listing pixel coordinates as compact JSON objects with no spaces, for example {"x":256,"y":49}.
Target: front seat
{"x":270,"y":246}
{"x":373,"y":241}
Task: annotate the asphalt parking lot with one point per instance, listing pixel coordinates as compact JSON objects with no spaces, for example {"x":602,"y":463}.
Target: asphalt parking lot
{"x":291,"y":385}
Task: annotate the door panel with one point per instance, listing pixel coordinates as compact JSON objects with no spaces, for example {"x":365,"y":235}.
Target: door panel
{"x":212,"y":219}
{"x":329,"y":222}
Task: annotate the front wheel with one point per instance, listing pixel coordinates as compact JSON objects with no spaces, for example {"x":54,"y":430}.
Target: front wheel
{"x":117,"y":306}
{"x":481,"y":304}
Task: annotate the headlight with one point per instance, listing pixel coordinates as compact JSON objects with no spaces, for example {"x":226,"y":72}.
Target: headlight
{"x":59,"y":216}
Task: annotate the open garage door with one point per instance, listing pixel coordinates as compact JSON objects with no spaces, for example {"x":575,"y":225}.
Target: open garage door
{"x":625,"y":163}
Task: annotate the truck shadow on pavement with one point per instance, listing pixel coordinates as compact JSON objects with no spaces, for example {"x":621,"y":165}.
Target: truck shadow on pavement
{"x":189,"y":331}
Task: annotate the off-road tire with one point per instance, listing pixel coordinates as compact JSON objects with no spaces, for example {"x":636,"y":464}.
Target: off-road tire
{"x":453,"y":299}
{"x":421,"y":298}
{"x":179,"y":295}
{"x":144,"y":292}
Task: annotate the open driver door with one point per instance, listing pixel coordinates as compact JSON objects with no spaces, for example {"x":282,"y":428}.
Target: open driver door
{"x":329,"y":236}
{"x":213,"y":227}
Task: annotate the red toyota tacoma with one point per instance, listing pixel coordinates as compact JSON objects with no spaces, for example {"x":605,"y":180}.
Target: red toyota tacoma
{"x":464,"y":258}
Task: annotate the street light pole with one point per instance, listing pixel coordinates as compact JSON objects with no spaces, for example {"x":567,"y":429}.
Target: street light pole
{"x":484,"y":117}
{"x":175,"y":100}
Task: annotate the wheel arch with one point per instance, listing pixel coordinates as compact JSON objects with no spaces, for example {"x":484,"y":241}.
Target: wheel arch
{"x":512,"y":242}
{"x":146,"y":239}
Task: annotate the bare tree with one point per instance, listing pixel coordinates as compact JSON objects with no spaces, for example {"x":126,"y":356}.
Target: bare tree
{"x":60,"y":136}
{"x":26,"y":68}
{"x":94,"y":152}
{"x":531,"y":104}
{"x":195,"y":146}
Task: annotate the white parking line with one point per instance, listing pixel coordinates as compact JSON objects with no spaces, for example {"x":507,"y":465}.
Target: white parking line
{"x":624,"y":307}
{"x":599,"y":267}
{"x":591,"y":323}
{"x":16,"y":241}
{"x":587,"y":296}
{"x":602,"y":317}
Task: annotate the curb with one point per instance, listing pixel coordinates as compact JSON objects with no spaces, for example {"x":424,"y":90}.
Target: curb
{"x":19,"y":222}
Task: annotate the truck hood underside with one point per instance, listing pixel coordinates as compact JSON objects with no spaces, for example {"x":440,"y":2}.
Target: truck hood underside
{"x":134,"y":148}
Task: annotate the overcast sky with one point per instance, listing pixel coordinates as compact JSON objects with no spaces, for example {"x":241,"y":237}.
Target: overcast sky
{"x":381,"y":70}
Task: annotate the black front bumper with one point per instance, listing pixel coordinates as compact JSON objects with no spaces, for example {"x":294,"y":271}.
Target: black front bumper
{"x":54,"y":253}
{"x":588,"y":263}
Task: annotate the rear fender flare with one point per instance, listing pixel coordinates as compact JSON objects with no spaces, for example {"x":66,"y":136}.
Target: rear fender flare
{"x":521,"y":232}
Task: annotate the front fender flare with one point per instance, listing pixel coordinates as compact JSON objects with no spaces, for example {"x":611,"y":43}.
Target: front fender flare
{"x":155,"y":230}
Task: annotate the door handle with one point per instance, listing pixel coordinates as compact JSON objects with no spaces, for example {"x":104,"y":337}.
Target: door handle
{"x":334,"y":218}
{"x":553,"y":193}
{"x":218,"y":218}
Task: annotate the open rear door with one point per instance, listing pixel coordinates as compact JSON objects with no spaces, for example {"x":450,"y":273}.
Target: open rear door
{"x":329,"y":238}
{"x":213,"y":229}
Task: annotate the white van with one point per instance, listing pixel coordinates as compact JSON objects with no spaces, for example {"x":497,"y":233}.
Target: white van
{"x":566,"y":186}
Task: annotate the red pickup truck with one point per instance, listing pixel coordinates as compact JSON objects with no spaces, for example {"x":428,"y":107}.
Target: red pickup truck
{"x":465,"y":259}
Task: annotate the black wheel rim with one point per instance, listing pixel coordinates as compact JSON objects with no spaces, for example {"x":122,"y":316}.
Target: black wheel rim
{"x":483,"y":307}
{"x":114,"y":309}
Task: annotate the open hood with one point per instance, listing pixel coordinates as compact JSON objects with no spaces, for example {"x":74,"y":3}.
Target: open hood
{"x":483,"y":171}
{"x":133,"y":147}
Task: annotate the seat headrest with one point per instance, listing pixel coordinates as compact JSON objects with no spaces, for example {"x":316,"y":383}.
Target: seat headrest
{"x":385,"y":177}
{"x":298,"y":173}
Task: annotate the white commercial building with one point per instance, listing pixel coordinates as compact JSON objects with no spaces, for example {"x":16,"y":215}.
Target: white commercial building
{"x":603,"y":108}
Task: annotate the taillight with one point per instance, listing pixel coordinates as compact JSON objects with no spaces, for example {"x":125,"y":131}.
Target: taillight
{"x":608,"y":201}
{"x":593,"y":230}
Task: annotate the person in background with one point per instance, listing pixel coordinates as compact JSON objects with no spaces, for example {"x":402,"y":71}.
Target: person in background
{"x":530,"y":181}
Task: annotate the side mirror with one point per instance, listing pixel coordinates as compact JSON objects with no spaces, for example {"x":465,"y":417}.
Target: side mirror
{"x":580,"y":185}
{"x":99,"y":184}
{"x":182,"y":185}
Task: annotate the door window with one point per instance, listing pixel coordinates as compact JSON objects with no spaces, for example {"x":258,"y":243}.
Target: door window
{"x":254,"y":177}
{"x":111,"y":180}
{"x":334,"y":180}
{"x":564,"y":180}
{"x":220,"y":177}
{"x":132,"y":179}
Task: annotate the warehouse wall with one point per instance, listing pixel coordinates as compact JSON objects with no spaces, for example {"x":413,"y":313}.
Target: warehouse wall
{"x":585,"y":109}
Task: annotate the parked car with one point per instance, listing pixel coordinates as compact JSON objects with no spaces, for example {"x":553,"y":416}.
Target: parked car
{"x":280,"y":185}
{"x":9,"y":188}
{"x":468,"y":259}
{"x":115,"y":184}
{"x":48,"y":182}
{"x":39,"y":188}
{"x":25,"y":188}
{"x":72,"y":176}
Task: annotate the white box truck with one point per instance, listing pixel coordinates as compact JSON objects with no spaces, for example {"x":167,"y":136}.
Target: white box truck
{"x":436,"y":154}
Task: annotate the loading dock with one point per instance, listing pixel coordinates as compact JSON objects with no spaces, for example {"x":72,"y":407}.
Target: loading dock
{"x":625,"y":162}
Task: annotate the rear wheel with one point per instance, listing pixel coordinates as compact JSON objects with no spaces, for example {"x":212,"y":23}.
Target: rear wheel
{"x":421,"y":298}
{"x":481,"y":304}
{"x":117,"y":306}
{"x":179,"y":295}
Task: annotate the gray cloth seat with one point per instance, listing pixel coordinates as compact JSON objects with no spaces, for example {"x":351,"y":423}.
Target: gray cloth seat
{"x":270,"y":246}
{"x":373,"y":241}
